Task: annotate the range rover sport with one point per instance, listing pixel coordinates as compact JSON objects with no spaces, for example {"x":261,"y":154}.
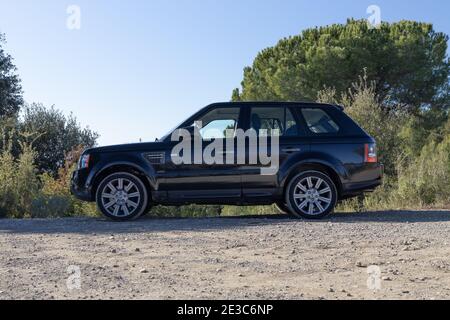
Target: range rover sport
{"x":323,"y":157}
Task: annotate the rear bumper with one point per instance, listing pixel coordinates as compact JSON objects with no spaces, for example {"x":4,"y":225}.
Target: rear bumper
{"x":373,"y":179}
{"x":78,"y":188}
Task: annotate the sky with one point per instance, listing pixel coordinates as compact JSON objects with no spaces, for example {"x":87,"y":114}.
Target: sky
{"x":135,"y":69}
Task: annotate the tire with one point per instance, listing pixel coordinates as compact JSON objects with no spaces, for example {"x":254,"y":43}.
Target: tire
{"x":148,"y":209}
{"x":311,"y":195}
{"x":122,"y":197}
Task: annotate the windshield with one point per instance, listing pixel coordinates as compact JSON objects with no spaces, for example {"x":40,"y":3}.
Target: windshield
{"x":164,"y":137}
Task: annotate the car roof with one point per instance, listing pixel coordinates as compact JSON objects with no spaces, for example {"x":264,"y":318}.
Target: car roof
{"x":275,"y":104}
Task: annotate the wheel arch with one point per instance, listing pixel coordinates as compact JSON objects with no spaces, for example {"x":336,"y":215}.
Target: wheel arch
{"x":313,"y":166}
{"x":121,"y":167}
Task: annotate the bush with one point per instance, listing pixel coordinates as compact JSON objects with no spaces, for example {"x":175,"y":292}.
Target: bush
{"x":19,"y":184}
{"x":56,"y":192}
{"x":418,"y":131}
{"x":201,"y":211}
{"x":232,"y":211}
{"x":24,"y":193}
{"x":7,"y":179}
{"x":192,"y":211}
{"x":426,"y":180}
{"x":50,"y":206}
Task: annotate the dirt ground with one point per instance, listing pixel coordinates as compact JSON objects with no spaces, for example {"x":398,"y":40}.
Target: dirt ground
{"x":382,"y":255}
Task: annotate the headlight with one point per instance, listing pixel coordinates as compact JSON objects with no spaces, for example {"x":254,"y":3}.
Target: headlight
{"x":84,"y":161}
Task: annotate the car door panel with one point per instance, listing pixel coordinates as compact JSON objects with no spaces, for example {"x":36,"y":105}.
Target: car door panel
{"x":202,"y":182}
{"x":260,"y":187}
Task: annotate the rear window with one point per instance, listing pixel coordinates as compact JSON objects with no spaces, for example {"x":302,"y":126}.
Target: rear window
{"x":319,"y":122}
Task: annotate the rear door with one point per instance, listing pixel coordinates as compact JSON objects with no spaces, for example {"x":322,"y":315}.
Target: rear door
{"x":258,"y":181}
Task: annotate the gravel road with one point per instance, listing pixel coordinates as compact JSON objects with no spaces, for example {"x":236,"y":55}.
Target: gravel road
{"x":269,"y":257}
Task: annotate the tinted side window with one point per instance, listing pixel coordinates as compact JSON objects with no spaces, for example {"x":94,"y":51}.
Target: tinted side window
{"x":292,"y":127}
{"x":272,"y":119}
{"x":319,"y":121}
{"x":219,"y":123}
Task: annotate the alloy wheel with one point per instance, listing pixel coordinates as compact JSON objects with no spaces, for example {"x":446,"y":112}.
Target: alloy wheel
{"x":313,"y":196}
{"x":121,"y":197}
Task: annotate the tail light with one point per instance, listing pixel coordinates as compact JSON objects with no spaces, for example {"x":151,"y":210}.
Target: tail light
{"x":370,"y":153}
{"x":84,"y":161}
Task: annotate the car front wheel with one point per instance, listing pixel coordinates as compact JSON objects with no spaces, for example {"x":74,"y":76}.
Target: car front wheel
{"x":311,"y":195}
{"x":122,"y":197}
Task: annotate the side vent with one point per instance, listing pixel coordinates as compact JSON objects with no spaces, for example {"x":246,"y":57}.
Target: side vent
{"x":156,"y":157}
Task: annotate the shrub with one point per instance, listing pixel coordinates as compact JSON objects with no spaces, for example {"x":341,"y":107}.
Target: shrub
{"x":426,"y":180}
{"x":56,"y":192}
{"x":7,"y":178}
{"x":25,"y":193}
{"x":192,"y":211}
{"x":27,"y":183}
{"x":201,"y":211}
{"x":50,"y":206}
{"x":19,"y":184}
{"x":232,"y":211}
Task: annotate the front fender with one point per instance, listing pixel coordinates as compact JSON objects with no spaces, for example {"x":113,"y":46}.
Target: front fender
{"x":136,"y":161}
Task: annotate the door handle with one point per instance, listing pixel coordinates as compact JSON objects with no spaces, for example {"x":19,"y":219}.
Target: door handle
{"x":291,"y":150}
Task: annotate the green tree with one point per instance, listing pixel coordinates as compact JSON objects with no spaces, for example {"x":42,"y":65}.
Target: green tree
{"x":57,"y":136}
{"x":407,"y":60}
{"x":10,"y":88}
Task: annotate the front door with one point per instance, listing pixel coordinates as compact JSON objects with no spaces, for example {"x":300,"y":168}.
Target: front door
{"x":209,"y":177}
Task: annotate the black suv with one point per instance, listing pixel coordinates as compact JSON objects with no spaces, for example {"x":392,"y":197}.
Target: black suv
{"x":323,"y":157}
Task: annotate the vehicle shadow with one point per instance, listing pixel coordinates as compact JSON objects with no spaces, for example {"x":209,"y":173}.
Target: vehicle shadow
{"x":94,"y":226}
{"x":400,"y":216}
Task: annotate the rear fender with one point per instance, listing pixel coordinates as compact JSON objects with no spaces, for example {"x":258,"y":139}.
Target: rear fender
{"x":295,"y":164}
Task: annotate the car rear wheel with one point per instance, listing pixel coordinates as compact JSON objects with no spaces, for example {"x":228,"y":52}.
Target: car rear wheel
{"x":122,"y":197}
{"x":311,"y":195}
